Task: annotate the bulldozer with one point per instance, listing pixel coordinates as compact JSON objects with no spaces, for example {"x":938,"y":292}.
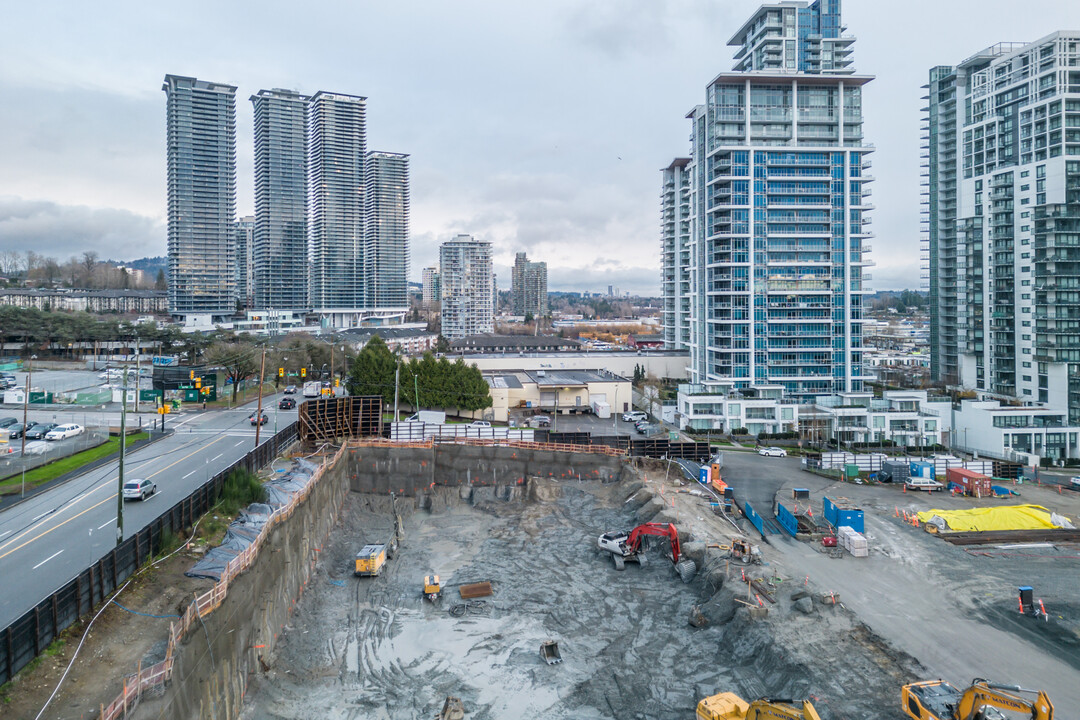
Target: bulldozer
{"x":729,"y":706}
{"x":938,"y":700}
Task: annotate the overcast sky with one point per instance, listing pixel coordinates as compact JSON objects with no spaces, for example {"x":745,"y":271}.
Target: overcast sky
{"x":539,"y":126}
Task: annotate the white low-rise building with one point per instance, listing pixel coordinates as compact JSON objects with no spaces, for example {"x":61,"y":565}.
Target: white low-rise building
{"x":721,"y":407}
{"x":1021,"y":433}
{"x":908,"y":418}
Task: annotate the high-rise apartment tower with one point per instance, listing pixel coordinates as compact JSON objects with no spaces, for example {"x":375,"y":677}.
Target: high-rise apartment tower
{"x":245,"y":268}
{"x":778,"y":201}
{"x":467,"y":286}
{"x":675,"y":254}
{"x":386,"y":239}
{"x":201,"y":162}
{"x":1002,"y":131}
{"x":280,"y":257}
{"x":528,"y":287}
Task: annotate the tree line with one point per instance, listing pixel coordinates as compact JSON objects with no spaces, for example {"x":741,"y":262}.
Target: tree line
{"x":424,"y":382}
{"x":86,"y":272}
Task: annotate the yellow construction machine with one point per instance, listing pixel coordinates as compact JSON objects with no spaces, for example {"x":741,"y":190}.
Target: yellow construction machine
{"x":938,"y":700}
{"x":432,"y":587}
{"x":729,"y":706}
{"x":370,"y":560}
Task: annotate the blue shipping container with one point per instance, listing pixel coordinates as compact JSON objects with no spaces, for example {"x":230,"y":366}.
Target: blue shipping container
{"x":920,"y":469}
{"x":838,"y":516}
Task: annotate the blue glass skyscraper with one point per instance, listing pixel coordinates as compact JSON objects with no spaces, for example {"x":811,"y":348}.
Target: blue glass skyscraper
{"x":778,"y":227}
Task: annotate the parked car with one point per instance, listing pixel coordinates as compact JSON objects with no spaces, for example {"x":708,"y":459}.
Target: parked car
{"x":286,"y":404}
{"x":772,"y":451}
{"x":36,"y":447}
{"x":634,"y":416}
{"x":480,"y":424}
{"x":1074,"y":483}
{"x":15,"y":431}
{"x":8,"y":422}
{"x":923,"y":483}
{"x":540,"y":421}
{"x":255,"y":419}
{"x":139,"y":489}
{"x":60,"y":432}
{"x":38,"y":431}
{"x":290,"y":389}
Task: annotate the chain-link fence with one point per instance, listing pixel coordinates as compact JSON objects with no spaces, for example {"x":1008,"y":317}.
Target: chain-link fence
{"x":43,"y":452}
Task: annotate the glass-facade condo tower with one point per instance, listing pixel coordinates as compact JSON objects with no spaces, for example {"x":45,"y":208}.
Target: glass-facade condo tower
{"x":337,"y":151}
{"x":1002,"y":130}
{"x":280,"y":261}
{"x":778,"y":200}
{"x":201,"y":172}
{"x":386,"y":244}
{"x":528,"y":287}
{"x":675,"y":254}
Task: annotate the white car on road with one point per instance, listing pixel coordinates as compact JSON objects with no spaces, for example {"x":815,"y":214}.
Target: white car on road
{"x":64,"y":431}
{"x":139,"y":489}
{"x":772,"y":451}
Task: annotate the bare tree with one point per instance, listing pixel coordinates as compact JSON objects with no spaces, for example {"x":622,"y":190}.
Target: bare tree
{"x":89,"y":261}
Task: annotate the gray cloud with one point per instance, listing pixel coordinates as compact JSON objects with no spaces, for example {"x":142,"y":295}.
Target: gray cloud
{"x":539,"y":126}
{"x":58,"y":230}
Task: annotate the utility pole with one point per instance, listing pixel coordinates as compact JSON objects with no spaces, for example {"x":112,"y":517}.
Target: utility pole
{"x":137,"y":376}
{"x":258,"y":414}
{"x":333,"y":391}
{"x":26,"y":400}
{"x":120,"y":475}
{"x":397,"y":380}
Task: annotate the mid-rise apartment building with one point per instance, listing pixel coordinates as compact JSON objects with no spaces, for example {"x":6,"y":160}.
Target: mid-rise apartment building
{"x":386,"y":232}
{"x":675,"y":254}
{"x":778,"y":225}
{"x":1002,"y":130}
{"x":528,"y":286}
{"x":280,"y":256}
{"x":201,"y":181}
{"x":467,"y":286}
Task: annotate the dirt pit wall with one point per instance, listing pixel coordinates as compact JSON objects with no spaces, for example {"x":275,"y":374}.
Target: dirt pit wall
{"x":215,"y":661}
{"x":414,"y":471}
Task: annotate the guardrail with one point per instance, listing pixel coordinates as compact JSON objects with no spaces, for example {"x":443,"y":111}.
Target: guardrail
{"x":203,"y":605}
{"x":29,"y":635}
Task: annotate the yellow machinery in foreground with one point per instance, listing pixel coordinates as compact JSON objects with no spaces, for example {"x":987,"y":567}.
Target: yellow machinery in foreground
{"x":432,"y":587}
{"x":729,"y":706}
{"x":938,"y":700}
{"x":370,"y":560}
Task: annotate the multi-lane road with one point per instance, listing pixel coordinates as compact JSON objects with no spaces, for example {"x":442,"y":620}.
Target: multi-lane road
{"x":50,"y":538}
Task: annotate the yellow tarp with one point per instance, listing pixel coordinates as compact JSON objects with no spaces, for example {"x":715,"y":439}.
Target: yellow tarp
{"x":1005,"y":517}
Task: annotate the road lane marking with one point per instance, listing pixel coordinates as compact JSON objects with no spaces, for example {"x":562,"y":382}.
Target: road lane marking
{"x":107,"y":524}
{"x":110,"y":497}
{"x":189,"y":474}
{"x":6,"y":532}
{"x":240,"y":443}
{"x":216,"y":457}
{"x":47,"y":512}
{"x":47,"y":559}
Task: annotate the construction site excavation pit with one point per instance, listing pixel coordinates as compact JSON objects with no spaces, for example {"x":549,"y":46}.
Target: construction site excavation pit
{"x":375,"y":647}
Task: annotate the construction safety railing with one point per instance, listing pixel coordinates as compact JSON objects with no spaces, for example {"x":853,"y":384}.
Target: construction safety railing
{"x":205,"y":604}
{"x":489,"y":442}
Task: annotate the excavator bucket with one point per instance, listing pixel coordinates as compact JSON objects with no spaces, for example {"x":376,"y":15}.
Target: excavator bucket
{"x":549,"y":652}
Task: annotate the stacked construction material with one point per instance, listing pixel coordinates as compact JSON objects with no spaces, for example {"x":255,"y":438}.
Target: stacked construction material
{"x":852,"y":541}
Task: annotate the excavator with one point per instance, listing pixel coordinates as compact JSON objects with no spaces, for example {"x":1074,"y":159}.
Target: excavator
{"x":625,"y":545}
{"x":984,"y":700}
{"x":729,"y":706}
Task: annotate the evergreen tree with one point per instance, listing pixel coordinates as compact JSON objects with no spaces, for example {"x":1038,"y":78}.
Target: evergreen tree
{"x":372,"y":371}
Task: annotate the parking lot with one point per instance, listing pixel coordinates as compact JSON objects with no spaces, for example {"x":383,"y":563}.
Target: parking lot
{"x":589,"y":423}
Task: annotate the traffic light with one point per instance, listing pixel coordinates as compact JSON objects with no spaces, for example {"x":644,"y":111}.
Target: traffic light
{"x":337,"y":382}
{"x":198,"y":382}
{"x":281,"y":372}
{"x":303,"y":372}
{"x":192,"y":375}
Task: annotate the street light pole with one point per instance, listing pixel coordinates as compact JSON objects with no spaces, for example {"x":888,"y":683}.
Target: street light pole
{"x":120,"y":475}
{"x":26,"y":400}
{"x":258,"y":414}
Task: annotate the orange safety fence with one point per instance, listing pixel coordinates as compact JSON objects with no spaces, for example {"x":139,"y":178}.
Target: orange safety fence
{"x":202,"y":605}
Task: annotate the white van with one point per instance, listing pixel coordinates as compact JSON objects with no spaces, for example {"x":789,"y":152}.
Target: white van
{"x":923,"y":483}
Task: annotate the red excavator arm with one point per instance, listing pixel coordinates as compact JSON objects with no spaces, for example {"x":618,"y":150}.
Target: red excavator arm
{"x":658,"y":529}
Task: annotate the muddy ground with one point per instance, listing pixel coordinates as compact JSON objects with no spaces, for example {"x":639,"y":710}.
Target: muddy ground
{"x":373,"y":648}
